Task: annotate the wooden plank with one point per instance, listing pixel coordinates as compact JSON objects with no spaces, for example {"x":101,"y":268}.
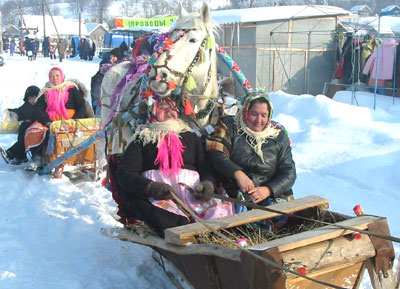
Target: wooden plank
{"x":317,"y":235}
{"x":343,"y":276}
{"x":140,"y":236}
{"x":183,"y":234}
{"x":329,"y":254}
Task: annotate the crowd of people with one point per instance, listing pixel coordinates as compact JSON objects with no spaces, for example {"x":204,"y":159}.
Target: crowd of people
{"x":247,"y":156}
{"x":50,"y":47}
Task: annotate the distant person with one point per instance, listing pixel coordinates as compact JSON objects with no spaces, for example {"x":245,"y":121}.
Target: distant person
{"x":46,"y":47}
{"x":95,"y":84}
{"x":12,"y":47}
{"x":21,"y":48}
{"x":123,"y":47}
{"x":61,"y":47}
{"x":83,"y":49}
{"x":35,"y":48}
{"x":16,"y":155}
{"x":91,"y":50}
{"x":53,"y":49}
{"x":29,"y":48}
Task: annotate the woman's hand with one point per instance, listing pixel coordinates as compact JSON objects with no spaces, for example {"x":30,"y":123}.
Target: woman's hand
{"x":244,"y":183}
{"x":259,"y":194}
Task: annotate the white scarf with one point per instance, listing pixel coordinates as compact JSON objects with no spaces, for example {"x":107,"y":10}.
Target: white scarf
{"x":156,"y":131}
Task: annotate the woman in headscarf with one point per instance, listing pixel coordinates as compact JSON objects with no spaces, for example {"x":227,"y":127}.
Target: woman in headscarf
{"x":60,"y":99}
{"x":166,"y":157}
{"x":251,"y":153}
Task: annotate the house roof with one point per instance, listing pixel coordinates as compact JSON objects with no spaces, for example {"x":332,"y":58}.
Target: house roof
{"x":359,"y":8}
{"x":275,"y":13}
{"x":90,"y":27}
{"x":9,"y":27}
{"x":388,"y":25}
{"x":64,"y":26}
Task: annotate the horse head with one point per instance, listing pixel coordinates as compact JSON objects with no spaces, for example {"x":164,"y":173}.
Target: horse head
{"x":185,"y":65}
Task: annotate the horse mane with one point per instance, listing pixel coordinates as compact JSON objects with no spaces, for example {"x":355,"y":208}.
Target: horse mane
{"x":193,"y":21}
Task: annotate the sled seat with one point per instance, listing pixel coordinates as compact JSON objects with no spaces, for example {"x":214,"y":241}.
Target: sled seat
{"x":65,"y":134}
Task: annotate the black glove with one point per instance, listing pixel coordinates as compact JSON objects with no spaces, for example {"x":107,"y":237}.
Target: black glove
{"x":202,"y":189}
{"x":159,"y":191}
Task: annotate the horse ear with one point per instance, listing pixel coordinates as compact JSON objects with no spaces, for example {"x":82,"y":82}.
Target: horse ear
{"x":205,"y":13}
{"x":182,"y":11}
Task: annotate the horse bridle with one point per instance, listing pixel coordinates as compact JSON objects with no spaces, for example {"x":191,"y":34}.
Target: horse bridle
{"x":184,"y":75}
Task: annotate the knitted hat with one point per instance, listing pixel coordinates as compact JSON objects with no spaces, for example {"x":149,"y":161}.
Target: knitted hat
{"x":31,"y":91}
{"x":116,"y":52}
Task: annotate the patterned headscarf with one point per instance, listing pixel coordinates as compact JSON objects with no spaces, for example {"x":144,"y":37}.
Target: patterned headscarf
{"x":154,"y":107}
{"x":248,"y":100}
{"x":221,"y":140}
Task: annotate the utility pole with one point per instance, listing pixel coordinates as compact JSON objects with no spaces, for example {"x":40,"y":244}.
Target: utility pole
{"x":44,"y":20}
{"x":1,"y":34}
{"x":80,"y":22}
{"x":21,"y":20}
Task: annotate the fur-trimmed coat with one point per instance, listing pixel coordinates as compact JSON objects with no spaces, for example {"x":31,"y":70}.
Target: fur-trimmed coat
{"x":77,"y":100}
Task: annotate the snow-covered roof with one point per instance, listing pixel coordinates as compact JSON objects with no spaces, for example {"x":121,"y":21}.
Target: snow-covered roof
{"x":9,"y":26}
{"x":388,"y":25}
{"x":358,"y":8}
{"x":64,"y":26}
{"x":90,"y":27}
{"x":275,"y":13}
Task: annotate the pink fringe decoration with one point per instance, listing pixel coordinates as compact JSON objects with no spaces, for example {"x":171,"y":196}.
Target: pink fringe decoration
{"x":171,"y":149}
{"x":56,"y":100}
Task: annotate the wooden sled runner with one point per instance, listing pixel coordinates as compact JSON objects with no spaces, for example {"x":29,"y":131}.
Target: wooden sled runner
{"x":328,"y":254}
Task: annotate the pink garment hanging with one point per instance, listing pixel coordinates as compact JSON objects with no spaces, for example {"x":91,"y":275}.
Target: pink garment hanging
{"x":386,"y":60}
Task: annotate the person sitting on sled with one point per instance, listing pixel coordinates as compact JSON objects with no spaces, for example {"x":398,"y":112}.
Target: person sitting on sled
{"x":166,"y":157}
{"x":15,"y":155}
{"x":251,"y":153}
{"x":59,"y":99}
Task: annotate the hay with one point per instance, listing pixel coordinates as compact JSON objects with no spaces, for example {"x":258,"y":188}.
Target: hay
{"x":259,"y":232}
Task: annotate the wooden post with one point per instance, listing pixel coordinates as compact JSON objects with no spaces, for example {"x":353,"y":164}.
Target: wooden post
{"x":379,"y":282}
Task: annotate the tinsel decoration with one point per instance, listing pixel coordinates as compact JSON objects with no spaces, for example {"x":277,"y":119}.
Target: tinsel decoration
{"x":210,"y":43}
{"x":191,"y":83}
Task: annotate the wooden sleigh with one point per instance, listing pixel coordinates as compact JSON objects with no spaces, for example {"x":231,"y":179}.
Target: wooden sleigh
{"x":327,"y":254}
{"x":68,"y":134}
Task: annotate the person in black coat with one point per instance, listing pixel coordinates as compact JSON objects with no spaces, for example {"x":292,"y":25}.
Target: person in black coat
{"x":60,"y":99}
{"x":95,"y":84}
{"x":15,"y":155}
{"x":251,"y":153}
{"x":46,"y":47}
{"x":167,"y":157}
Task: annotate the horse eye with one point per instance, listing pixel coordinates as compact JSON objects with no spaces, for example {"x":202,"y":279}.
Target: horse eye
{"x":192,"y":40}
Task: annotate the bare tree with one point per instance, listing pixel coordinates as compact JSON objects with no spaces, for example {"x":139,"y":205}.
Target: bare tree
{"x":189,"y":5}
{"x":78,"y":6}
{"x":101,"y":10}
{"x":10,"y":13}
{"x":156,"y":7}
{"x":131,"y":9}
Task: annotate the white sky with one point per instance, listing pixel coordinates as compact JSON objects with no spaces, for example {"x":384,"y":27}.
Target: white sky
{"x":49,"y":228}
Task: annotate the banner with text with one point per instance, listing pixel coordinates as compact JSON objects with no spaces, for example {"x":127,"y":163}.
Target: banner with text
{"x":159,"y":22}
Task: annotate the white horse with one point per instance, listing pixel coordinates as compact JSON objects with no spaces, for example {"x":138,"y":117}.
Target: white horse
{"x":183,"y":67}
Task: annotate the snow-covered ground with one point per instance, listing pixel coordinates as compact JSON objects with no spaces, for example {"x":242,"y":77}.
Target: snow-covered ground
{"x":50,"y":228}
